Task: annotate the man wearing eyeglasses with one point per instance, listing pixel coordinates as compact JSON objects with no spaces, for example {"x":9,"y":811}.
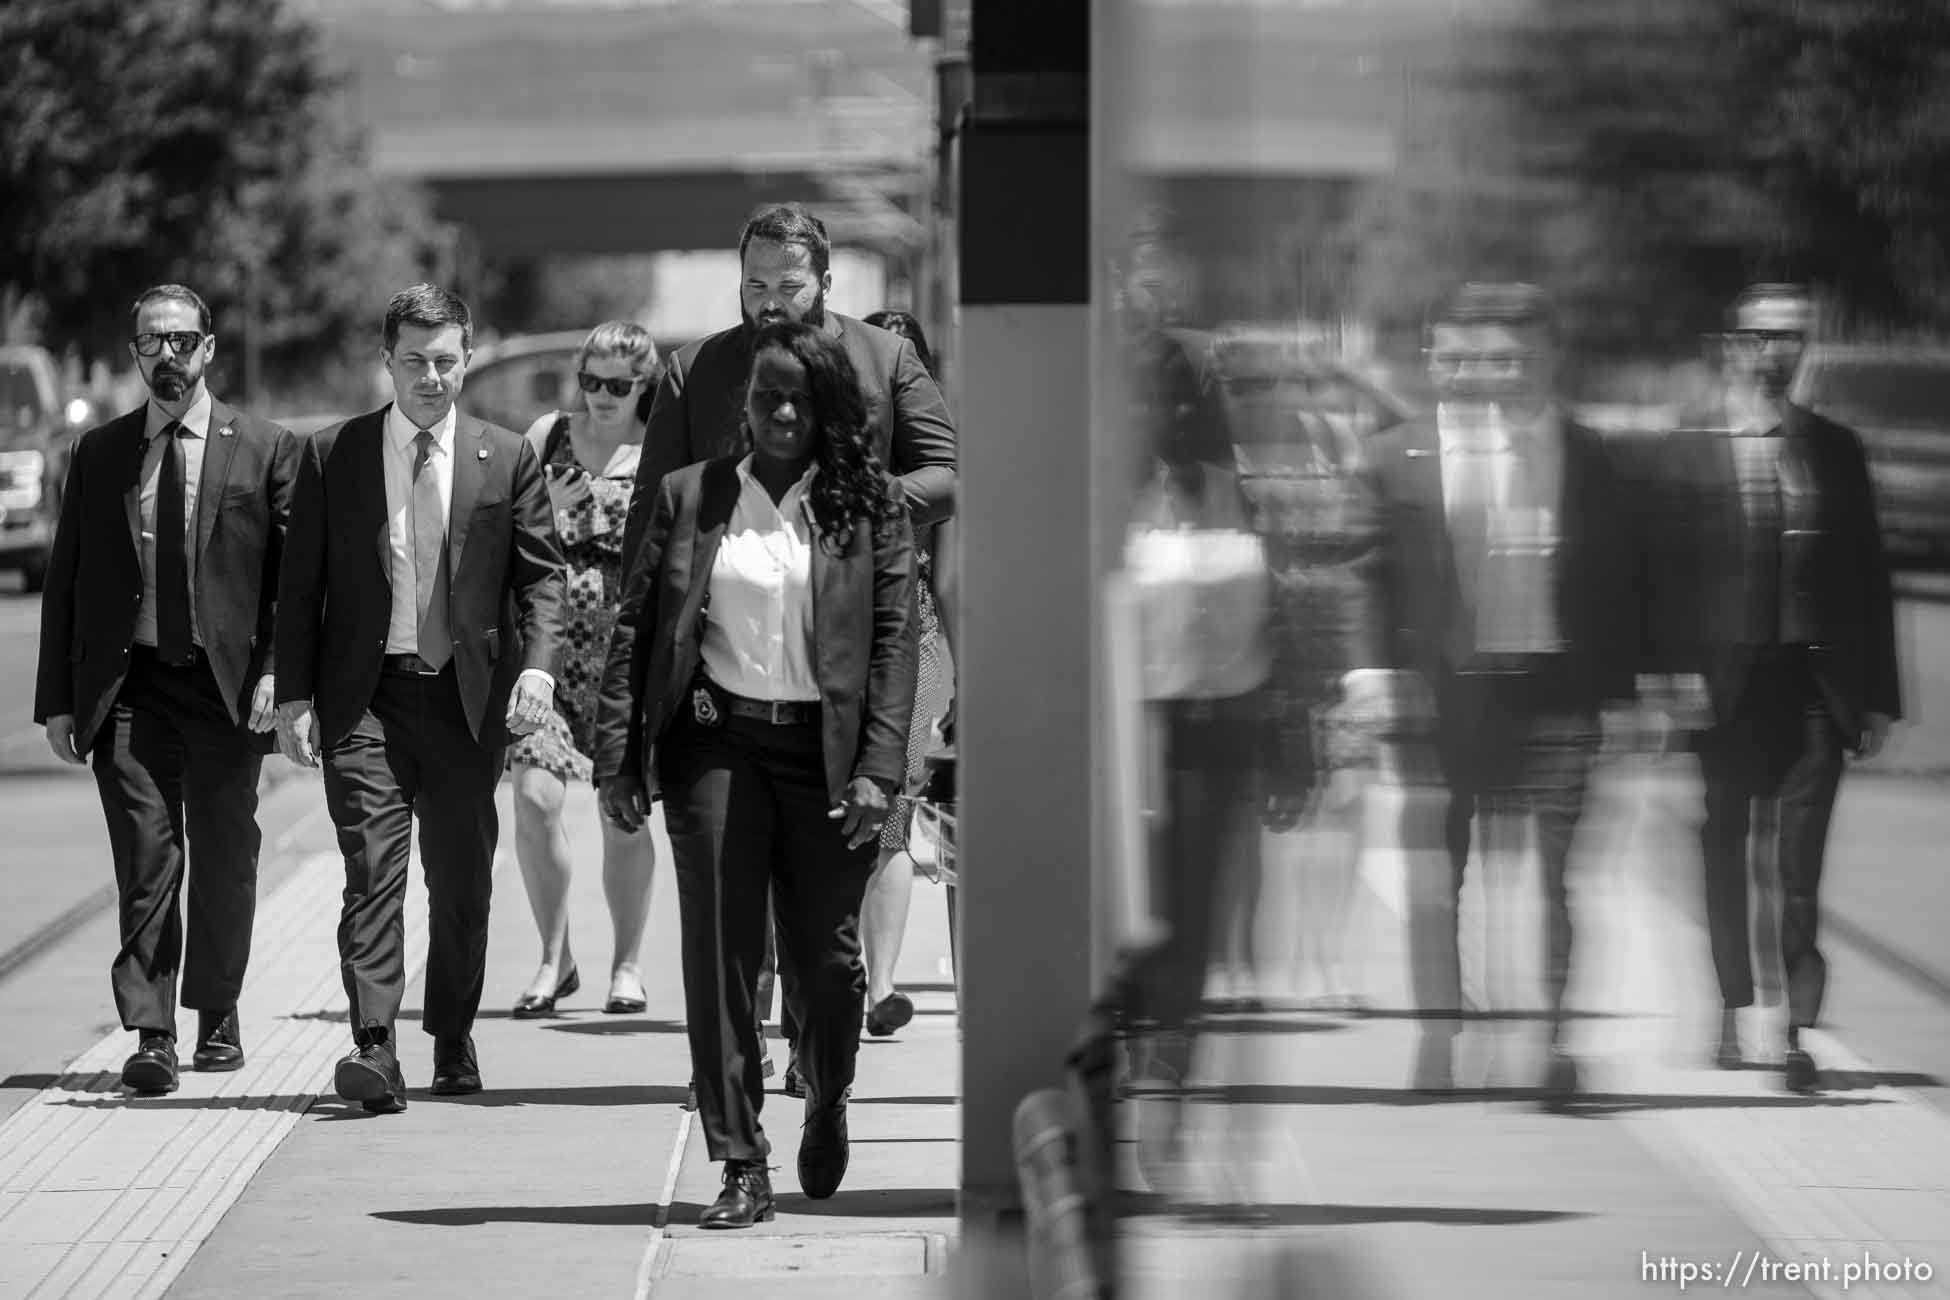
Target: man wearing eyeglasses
{"x":157,"y":666}
{"x":1508,"y":582}
{"x":1775,"y":603}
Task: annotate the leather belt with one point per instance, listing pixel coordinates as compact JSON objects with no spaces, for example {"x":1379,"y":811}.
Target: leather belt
{"x":780,"y":713}
{"x":197,"y":657}
{"x":409,"y":666}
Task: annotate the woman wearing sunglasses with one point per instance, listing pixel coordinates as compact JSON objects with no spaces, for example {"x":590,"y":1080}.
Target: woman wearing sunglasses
{"x":589,"y":459}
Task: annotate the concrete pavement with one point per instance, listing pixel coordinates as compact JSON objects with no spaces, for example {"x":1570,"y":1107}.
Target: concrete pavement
{"x":578,"y":1173}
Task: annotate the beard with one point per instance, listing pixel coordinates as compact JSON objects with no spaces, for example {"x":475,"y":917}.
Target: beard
{"x":815,"y":314}
{"x":171,"y":384}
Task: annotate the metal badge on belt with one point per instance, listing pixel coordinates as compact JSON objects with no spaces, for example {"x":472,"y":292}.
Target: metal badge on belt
{"x":703,"y":708}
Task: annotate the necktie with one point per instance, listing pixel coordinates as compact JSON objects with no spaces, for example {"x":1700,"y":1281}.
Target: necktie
{"x":172,"y":560}
{"x":1470,"y":473}
{"x":430,"y":557}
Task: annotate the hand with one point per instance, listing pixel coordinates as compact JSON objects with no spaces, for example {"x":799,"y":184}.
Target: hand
{"x":624,"y":801}
{"x":528,"y":707}
{"x":861,"y":811}
{"x":1875,"y":734}
{"x":567,"y":488}
{"x":60,"y":739}
{"x":1282,"y":811}
{"x":264,"y":704}
{"x":298,"y":732}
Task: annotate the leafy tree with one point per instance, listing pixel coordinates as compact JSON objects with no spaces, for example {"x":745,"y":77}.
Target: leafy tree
{"x":149,"y":140}
{"x":1646,"y":158}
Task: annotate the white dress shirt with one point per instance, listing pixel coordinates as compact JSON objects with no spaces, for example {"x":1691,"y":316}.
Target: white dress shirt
{"x":758,"y":622}
{"x":195,"y":437}
{"x":403,"y":632}
{"x":1516,"y":608}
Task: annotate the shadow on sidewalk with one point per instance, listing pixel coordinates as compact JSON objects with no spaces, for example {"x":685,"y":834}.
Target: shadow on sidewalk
{"x":615,"y":1025}
{"x":875,"y":1203}
{"x":1324,"y":1216}
{"x":1302,"y":1094}
{"x":595,"y":1216}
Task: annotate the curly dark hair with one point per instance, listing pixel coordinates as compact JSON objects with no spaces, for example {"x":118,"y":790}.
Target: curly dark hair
{"x":850,"y":483}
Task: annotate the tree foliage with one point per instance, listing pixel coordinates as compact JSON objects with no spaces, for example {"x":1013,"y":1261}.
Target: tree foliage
{"x":1646,"y":158}
{"x":151,"y":140}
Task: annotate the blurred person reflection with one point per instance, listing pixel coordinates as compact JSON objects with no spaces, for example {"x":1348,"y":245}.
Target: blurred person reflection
{"x":589,"y":458}
{"x":785,"y":274}
{"x":1785,"y":624}
{"x":1303,"y":476}
{"x":1508,"y":585}
{"x":1230,"y":745}
{"x":890,"y":894}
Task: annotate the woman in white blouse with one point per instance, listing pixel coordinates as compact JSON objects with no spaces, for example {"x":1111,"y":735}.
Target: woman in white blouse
{"x":767,"y":698}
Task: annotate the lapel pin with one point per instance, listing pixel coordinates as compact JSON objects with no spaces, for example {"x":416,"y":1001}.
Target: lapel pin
{"x":226,"y":431}
{"x":480,"y":453}
{"x":1416,"y":453}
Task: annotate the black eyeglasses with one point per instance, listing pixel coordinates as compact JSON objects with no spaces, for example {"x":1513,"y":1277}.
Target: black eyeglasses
{"x":589,"y":383}
{"x":181,"y":342}
{"x":1754,"y":340}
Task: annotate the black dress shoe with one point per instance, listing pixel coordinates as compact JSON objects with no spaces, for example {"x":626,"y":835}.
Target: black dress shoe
{"x":370,"y":1075}
{"x":456,"y":1070}
{"x":823,"y":1150}
{"x":889,"y":1014}
{"x":1801,"y":1076}
{"x":532,"y":1006}
{"x":1726,"y":1056}
{"x":219,"y":1041}
{"x":151,"y":1071}
{"x":745,"y":1200}
{"x":1560,"y":1080}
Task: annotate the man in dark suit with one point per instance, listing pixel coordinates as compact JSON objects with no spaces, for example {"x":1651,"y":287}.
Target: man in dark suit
{"x":1508,"y":584}
{"x":419,"y":624}
{"x":699,"y":411}
{"x":1775,"y":598}
{"x":157,"y":664}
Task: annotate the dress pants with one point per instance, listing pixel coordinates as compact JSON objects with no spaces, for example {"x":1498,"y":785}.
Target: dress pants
{"x":1210,"y":822}
{"x":1778,"y":743}
{"x":745,"y":805}
{"x":410,"y":755}
{"x":1509,"y":745}
{"x":169,"y":760}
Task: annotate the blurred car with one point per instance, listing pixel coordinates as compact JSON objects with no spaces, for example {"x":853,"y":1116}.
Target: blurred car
{"x":37,"y":431}
{"x":516,"y":380}
{"x":1898,"y":399}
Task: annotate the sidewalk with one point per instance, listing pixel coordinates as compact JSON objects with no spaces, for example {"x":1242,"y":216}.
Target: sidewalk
{"x":578,"y":1174}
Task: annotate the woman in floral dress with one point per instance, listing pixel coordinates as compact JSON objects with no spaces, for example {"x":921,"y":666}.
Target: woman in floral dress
{"x":589,"y":459}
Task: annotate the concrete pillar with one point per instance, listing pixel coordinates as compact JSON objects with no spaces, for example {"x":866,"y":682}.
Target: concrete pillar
{"x":1028,"y":567}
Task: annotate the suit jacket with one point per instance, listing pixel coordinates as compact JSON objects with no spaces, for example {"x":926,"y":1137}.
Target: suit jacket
{"x":864,"y":634}
{"x":699,"y":413}
{"x":1596,"y":574}
{"x":94,"y":580}
{"x":505,"y":584}
{"x":1835,"y":585}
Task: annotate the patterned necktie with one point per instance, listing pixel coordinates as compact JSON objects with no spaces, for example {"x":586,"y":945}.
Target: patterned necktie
{"x":172,"y":560}
{"x":430,"y":557}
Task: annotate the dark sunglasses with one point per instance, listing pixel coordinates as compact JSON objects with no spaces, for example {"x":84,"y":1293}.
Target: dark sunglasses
{"x":589,"y":383}
{"x":181,"y":342}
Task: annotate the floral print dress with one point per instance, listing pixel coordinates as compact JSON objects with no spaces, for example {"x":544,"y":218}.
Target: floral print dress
{"x":592,"y":544}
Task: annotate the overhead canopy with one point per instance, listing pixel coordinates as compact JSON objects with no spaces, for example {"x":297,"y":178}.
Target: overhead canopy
{"x":643,"y":125}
